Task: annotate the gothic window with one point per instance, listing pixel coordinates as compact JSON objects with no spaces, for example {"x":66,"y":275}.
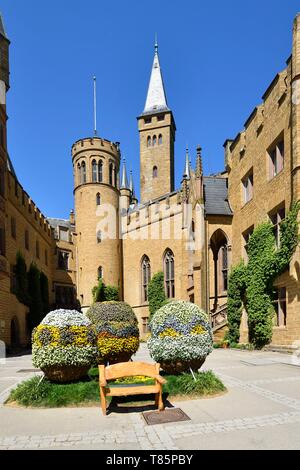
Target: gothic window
{"x":154,"y":141}
{"x":83,"y":173}
{"x":224,"y":267}
{"x":146,"y":276}
{"x":276,"y":159}
{"x":99,"y":236}
{"x":160,"y":139}
{"x":148,"y":141}
{"x":169,"y":271}
{"x":111,"y":173}
{"x":98,"y":199}
{"x":94,"y":171}
{"x":79,"y":173}
{"x":100,"y":171}
{"x":100,"y":272}
{"x":63,"y":260}
{"x":155,"y":172}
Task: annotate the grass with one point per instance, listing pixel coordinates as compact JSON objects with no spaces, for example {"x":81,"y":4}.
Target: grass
{"x":45,"y":394}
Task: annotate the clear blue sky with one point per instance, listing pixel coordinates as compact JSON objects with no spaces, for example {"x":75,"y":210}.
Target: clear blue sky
{"x":217,"y":57}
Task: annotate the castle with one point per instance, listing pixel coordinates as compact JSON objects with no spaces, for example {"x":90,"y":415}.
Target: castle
{"x":194,"y":234}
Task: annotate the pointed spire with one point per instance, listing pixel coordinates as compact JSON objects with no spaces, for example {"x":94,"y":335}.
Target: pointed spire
{"x":199,"y":168}
{"x":124,"y":181}
{"x":2,"y":29}
{"x":187,"y":168}
{"x":156,"y":96}
{"x":131,"y":184}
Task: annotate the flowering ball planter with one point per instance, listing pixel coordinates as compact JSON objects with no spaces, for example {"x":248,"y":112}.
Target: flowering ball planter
{"x":64,"y":345}
{"x":117,"y":331}
{"x":181,"y":337}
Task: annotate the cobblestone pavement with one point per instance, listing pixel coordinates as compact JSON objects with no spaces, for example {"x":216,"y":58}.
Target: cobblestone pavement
{"x":260,"y":410}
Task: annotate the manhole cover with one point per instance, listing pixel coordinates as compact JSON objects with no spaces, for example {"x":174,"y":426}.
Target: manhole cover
{"x":167,"y":416}
{"x":28,"y":371}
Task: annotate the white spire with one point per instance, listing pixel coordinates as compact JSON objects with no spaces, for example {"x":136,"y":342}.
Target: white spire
{"x":124,"y":181}
{"x":156,"y":97}
{"x":187,"y":168}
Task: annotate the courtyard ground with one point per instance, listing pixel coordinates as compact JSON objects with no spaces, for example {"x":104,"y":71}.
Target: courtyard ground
{"x":260,"y":411}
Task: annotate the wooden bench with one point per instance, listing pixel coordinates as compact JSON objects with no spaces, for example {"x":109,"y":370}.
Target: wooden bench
{"x":130,"y":369}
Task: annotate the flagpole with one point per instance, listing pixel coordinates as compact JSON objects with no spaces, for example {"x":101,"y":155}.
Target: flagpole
{"x":95,"y":106}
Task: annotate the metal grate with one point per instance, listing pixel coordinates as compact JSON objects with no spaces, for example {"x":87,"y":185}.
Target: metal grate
{"x":167,"y":416}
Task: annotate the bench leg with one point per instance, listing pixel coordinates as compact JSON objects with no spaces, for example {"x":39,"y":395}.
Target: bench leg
{"x":159,"y":400}
{"x":103,"y":400}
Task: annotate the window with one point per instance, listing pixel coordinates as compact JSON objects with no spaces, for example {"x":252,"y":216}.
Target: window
{"x":94,"y":171}
{"x":111,"y":173}
{"x":64,"y":234}
{"x":155,"y":172}
{"x":115,"y":177}
{"x":100,"y":272}
{"x":145,"y":325}
{"x":63,"y":260}
{"x":246,"y":236}
{"x":2,"y":181}
{"x":65,"y":297}
{"x":248,"y":187}
{"x":100,"y":171}
{"x":46,"y":257}
{"x":23,"y":198}
{"x":276,"y":219}
{"x":98,"y":199}
{"x":280,"y":306}
{"x":276,"y":159}
{"x":26,"y":239}
{"x":2,"y":241}
{"x":154,"y":141}
{"x":148,"y":141}
{"x":160,"y":117}
{"x":146,"y":276}
{"x":169,"y":270}
{"x":37,"y":249}
{"x":82,"y":173}
{"x":147,"y":120}
{"x":13,"y":227}
{"x":99,"y":236}
{"x":13,"y":279}
{"x":224,"y":267}
{"x":160,"y":139}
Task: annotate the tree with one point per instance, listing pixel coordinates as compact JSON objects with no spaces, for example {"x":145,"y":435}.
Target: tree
{"x":36,"y":313}
{"x":44,"y":292}
{"x":156,"y":293}
{"x":21,"y":280}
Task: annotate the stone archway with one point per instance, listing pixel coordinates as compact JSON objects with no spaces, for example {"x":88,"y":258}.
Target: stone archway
{"x":220,"y":248}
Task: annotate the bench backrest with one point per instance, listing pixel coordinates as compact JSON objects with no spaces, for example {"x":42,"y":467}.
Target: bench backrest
{"x":128,"y":369}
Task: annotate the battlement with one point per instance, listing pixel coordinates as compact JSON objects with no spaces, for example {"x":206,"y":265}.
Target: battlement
{"x":95,"y":143}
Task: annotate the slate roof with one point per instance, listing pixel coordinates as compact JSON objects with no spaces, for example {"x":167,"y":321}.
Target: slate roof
{"x":60,"y":223}
{"x":216,"y":196}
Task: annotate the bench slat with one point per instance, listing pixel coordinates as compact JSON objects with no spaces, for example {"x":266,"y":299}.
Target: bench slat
{"x":137,"y":390}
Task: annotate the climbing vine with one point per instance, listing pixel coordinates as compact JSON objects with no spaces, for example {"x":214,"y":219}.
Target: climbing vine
{"x":251,"y":285}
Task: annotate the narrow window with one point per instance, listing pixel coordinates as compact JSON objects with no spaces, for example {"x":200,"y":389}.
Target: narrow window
{"x":26,"y":239}
{"x":63,"y":260}
{"x":145,"y":321}
{"x":99,"y":236}
{"x":276,"y":219}
{"x":280,"y":306}
{"x":94,"y":171}
{"x":154,"y":141}
{"x":169,"y":270}
{"x":98,"y":199}
{"x":100,"y":171}
{"x":155,"y":172}
{"x":83,"y":173}
{"x":13,"y":228}
{"x":224,"y":260}
{"x":248,"y":187}
{"x":146,"y":276}
{"x":100,"y":272}
{"x":160,"y":139}
{"x":148,"y":141}
{"x":111,"y":173}
{"x":276,"y":159}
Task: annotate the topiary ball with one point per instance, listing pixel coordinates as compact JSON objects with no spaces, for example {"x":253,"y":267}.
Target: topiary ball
{"x":181,"y":337}
{"x":64,"y":345}
{"x":117,"y":331}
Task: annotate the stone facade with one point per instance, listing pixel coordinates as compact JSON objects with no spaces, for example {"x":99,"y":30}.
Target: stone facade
{"x":193,"y":234}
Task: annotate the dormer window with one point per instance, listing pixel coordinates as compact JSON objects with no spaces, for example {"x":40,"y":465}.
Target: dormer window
{"x":148,"y":120}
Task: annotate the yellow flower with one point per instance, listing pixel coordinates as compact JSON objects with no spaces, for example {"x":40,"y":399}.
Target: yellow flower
{"x":169,"y":332}
{"x":198,"y":330}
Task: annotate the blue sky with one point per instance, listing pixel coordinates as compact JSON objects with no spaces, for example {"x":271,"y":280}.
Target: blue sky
{"x":217,"y":60}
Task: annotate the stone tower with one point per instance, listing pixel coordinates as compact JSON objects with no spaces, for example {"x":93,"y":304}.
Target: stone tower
{"x":157,"y":135}
{"x":296,"y":110}
{"x":96,"y":164}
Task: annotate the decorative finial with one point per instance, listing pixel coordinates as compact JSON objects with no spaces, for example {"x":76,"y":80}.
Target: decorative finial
{"x":156,"y":44}
{"x":199,"y":169}
{"x":187,"y":173}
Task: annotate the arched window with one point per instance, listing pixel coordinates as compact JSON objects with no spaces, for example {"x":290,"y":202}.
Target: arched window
{"x":154,"y":141}
{"x":155,"y":172}
{"x":224,"y":266}
{"x":98,"y":199}
{"x":94,"y":171}
{"x":160,"y":140}
{"x":146,"y":276}
{"x":100,"y":272}
{"x":79,"y":173}
{"x":169,"y":271}
{"x":148,"y":141}
{"x":99,"y":236}
{"x":115,"y":177}
{"x":100,"y":171}
{"x":111,"y":173}
{"x":83,"y":173}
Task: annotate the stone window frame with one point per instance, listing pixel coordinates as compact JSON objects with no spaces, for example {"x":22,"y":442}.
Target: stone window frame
{"x":169,"y":273}
{"x":276,"y":216}
{"x":280,"y":306}
{"x":275,"y":157}
{"x":248,"y":186}
{"x":145,"y":277}
{"x":63,"y":260}
{"x":155,"y":172}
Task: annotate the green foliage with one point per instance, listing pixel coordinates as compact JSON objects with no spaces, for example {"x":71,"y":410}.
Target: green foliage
{"x":42,"y":393}
{"x":251,"y":285}
{"x":21,"y":280}
{"x":36,"y":307}
{"x":156,"y":293}
{"x":103,"y":293}
{"x":44,"y":292}
{"x":117,"y":330}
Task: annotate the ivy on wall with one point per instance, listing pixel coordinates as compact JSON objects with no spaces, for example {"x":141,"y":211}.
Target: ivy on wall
{"x":103,"y":293}
{"x":156,"y":293}
{"x":251,"y":286}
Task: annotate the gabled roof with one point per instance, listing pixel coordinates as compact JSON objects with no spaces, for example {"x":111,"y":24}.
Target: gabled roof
{"x":216,"y":196}
{"x":156,"y":97}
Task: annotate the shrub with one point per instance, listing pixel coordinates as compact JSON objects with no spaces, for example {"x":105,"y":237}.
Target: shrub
{"x":181,"y":336}
{"x":103,"y":293}
{"x":156,"y":293}
{"x":36,"y":306}
{"x":117,"y":331}
{"x":21,"y":280}
{"x":64,"y":345}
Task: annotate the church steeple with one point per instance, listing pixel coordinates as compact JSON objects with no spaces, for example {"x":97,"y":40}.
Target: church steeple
{"x":156,"y":96}
{"x":124,"y":180}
